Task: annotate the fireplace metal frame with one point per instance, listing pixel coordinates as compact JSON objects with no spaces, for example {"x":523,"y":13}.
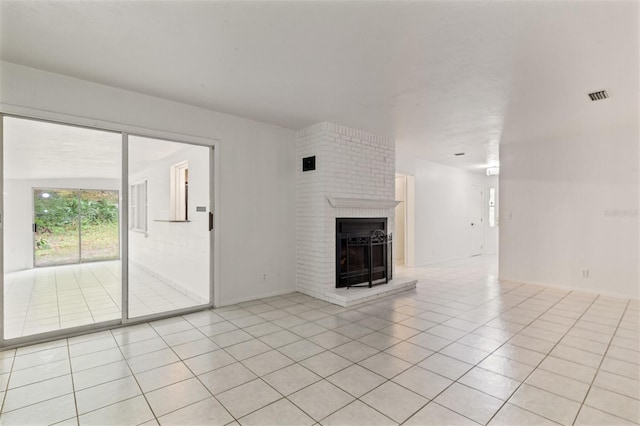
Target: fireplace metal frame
{"x":370,"y":240}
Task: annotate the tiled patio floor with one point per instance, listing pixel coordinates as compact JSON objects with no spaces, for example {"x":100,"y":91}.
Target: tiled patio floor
{"x":56,"y":297}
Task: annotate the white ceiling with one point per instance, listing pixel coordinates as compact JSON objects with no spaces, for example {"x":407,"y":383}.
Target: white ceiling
{"x":438,"y":76}
{"x":40,"y":150}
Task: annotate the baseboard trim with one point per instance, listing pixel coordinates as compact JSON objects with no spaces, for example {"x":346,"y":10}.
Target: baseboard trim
{"x":570,"y":288}
{"x":174,"y":285}
{"x":252,"y":298}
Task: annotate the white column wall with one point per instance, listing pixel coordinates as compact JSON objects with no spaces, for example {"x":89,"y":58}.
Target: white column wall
{"x":349,"y":164}
{"x":568,"y":205}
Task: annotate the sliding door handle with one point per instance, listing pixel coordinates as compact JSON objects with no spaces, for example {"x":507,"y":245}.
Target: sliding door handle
{"x":210,"y":221}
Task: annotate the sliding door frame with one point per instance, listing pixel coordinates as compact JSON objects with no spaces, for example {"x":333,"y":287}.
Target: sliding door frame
{"x":2,"y":230}
{"x":124,"y":231}
{"x":125,"y":131}
{"x":212,"y":234}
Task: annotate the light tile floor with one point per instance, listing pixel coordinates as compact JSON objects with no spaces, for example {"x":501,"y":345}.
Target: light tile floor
{"x":57,"y":297}
{"x":459,"y":349}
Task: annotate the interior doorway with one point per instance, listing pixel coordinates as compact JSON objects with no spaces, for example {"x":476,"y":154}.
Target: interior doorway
{"x":400,"y":231}
{"x":75,"y":226}
{"x":403,"y":236}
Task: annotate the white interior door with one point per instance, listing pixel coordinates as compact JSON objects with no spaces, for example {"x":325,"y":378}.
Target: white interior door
{"x":476,"y":220}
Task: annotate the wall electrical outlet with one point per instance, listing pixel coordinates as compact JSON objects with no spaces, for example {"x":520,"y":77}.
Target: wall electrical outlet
{"x":264,"y":277}
{"x":585,"y":273}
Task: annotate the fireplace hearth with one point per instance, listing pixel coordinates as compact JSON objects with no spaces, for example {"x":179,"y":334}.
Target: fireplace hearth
{"x":363,"y":252}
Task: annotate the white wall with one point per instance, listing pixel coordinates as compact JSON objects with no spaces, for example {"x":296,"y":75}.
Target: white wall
{"x":442,"y":210}
{"x":178,"y":252}
{"x":571,"y":204}
{"x":18,"y":214}
{"x":256,"y":171}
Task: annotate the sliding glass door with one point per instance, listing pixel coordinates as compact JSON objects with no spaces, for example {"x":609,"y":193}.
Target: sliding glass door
{"x":56,"y":227}
{"x":73,"y":226}
{"x":91,"y":240}
{"x":53,"y":231}
{"x":99,"y":225}
{"x":169,"y":232}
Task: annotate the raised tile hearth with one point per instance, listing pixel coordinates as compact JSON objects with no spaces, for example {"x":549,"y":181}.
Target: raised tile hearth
{"x":355,"y":295}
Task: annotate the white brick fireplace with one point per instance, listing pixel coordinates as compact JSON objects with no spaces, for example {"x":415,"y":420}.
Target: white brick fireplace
{"x":354,"y":177}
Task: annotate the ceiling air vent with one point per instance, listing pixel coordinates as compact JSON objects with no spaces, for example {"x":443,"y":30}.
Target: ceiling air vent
{"x":598,"y":96}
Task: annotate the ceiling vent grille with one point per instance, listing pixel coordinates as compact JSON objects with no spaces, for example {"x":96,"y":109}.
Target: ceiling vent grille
{"x":598,"y":96}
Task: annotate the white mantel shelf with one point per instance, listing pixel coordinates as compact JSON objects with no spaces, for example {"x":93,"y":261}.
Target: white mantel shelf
{"x":363,"y":203}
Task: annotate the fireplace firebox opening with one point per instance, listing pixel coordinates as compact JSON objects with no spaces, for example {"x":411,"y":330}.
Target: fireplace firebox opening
{"x":364,"y":252}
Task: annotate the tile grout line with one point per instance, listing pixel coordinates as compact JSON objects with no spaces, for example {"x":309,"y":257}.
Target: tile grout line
{"x":110,"y":381}
{"x":493,"y":352}
{"x":406,"y":340}
{"x":242,"y":363}
{"x":58,"y":304}
{"x":545,"y":355}
{"x":28,"y":308}
{"x":474,"y":365}
{"x":191,"y":371}
{"x":6,"y":390}
{"x":584,"y":400}
{"x":36,"y":382}
{"x":73,"y":385}
{"x":294,"y":363}
{"x":432,"y":400}
{"x":239,"y":361}
{"x":84,"y":297}
{"x":276,"y":390}
{"x":124,"y":358}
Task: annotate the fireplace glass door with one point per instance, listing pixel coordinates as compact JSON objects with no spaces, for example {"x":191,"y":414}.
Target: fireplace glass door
{"x":363,"y":251}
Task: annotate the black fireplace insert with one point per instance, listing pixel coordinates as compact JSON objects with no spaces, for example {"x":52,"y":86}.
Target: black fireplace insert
{"x":363,"y":252}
